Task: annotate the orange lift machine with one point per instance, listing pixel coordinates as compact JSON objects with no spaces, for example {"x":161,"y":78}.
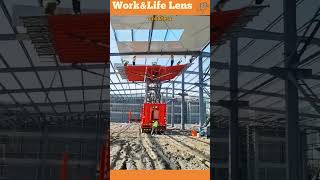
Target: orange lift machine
{"x":154,"y":76}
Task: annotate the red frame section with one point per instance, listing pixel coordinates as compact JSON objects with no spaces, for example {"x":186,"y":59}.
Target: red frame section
{"x":146,"y":119}
{"x":81,"y":38}
{"x":221,"y":21}
{"x":165,"y":73}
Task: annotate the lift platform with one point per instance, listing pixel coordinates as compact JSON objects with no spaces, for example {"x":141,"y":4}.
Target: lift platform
{"x":73,"y":38}
{"x":154,"y":75}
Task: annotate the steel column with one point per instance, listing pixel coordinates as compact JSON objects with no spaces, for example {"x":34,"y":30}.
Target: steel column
{"x":167,"y":107}
{"x":172,"y":106}
{"x":202,"y":111}
{"x":291,"y":91}
{"x":64,"y":167}
{"x":183,"y":117}
{"x":102,"y":163}
{"x":234,"y":110}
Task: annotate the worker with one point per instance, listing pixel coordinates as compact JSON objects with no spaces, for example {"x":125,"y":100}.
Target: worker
{"x":154,"y":127}
{"x":50,"y":6}
{"x":179,"y":62}
{"x":134,"y":60}
{"x":172,"y":60}
{"x":124,"y":62}
{"x":76,"y":6}
{"x":191,"y":59}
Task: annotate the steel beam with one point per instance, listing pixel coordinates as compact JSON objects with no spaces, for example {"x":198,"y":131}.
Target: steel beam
{"x":253,"y":69}
{"x":13,"y":37}
{"x":51,"y":135}
{"x":183,"y":109}
{"x":172,"y":106}
{"x":291,"y":91}
{"x":257,"y":109}
{"x":242,"y":33}
{"x":267,"y":35}
{"x":51,"y":68}
{"x":71,"y":88}
{"x":177,"y":53}
{"x":28,"y":161}
{"x":62,"y":68}
{"x":234,"y":169}
{"x":202,"y":110}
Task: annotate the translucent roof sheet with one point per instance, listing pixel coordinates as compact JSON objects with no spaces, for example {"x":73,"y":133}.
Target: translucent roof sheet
{"x":174,"y":34}
{"x":123,"y":34}
{"x":142,"y":35}
{"x":159,"y":34}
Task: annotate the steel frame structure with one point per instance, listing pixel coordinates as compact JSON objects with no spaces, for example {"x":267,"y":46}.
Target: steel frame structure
{"x":295,"y":78}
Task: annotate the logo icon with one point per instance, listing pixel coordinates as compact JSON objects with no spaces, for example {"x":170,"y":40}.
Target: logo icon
{"x":203,"y":6}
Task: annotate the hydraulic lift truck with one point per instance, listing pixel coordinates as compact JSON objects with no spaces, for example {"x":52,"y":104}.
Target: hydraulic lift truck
{"x":153,"y":107}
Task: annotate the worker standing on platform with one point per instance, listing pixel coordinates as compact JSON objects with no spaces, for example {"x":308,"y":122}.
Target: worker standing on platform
{"x":50,"y":6}
{"x":134,"y":60}
{"x":172,"y":60}
{"x":154,"y":127}
{"x":76,"y":6}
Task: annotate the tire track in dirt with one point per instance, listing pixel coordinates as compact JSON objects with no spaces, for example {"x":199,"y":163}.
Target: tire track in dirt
{"x":131,"y":149}
{"x":184,"y":147}
{"x":162,"y":161}
{"x":171,"y":163}
{"x":121,"y":131}
{"x":200,"y":147}
{"x":184,"y":158}
{"x":145,"y":157}
{"x":115,"y":154}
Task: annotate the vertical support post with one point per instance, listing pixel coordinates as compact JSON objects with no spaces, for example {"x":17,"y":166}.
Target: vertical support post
{"x":64,"y":167}
{"x":172,"y":106}
{"x":291,"y":91}
{"x":183,"y":117}
{"x":256,"y":153}
{"x":189,"y":113}
{"x":249,"y":166}
{"x":43,"y":146}
{"x":167,"y":114}
{"x":122,"y":114}
{"x":303,"y":146}
{"x":102,"y":163}
{"x":234,"y":110}
{"x":202,"y":111}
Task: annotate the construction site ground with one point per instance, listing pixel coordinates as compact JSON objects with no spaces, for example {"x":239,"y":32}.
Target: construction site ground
{"x":175,"y":149}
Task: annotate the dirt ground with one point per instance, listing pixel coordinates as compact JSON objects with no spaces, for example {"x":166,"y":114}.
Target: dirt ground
{"x":132,"y":150}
